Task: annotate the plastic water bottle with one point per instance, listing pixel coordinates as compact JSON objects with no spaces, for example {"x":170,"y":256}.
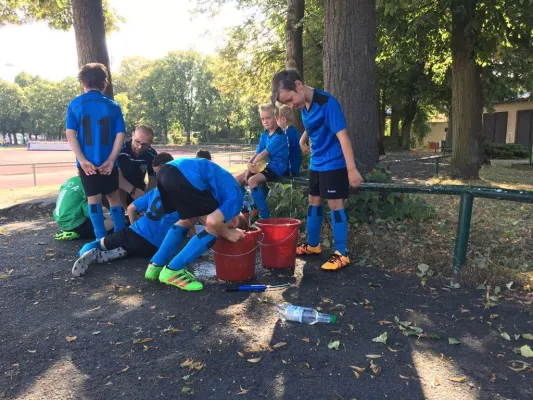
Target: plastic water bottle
{"x":304,"y":315}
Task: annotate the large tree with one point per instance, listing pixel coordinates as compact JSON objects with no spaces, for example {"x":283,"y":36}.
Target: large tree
{"x":350,"y":72}
{"x":13,"y":109}
{"x":88,"y":21}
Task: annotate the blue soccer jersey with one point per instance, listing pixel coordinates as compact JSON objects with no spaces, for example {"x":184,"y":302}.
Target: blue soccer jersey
{"x":154,"y":224}
{"x":97,"y":119}
{"x":322,"y":121}
{"x":295,"y":155}
{"x":278,"y":150}
{"x":206,"y":175}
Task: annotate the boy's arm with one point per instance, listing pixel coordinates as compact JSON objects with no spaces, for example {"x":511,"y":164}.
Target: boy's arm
{"x":354,"y":177}
{"x":303,"y":143}
{"x":107,"y":167}
{"x":132,"y":213}
{"x":86,"y":165}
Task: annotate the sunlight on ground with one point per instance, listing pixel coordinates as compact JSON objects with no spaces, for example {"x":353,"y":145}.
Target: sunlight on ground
{"x":62,"y":380}
{"x":435,"y":372}
{"x":23,"y":226}
{"x":10,"y":197}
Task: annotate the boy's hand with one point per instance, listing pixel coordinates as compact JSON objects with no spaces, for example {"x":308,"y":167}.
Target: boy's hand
{"x":106,"y":168}
{"x":354,"y":177}
{"x":305,"y":148}
{"x":234,"y":235}
{"x":88,"y":167}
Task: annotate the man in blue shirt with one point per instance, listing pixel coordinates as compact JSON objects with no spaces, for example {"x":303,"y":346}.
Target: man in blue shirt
{"x":200,"y":191}
{"x":134,"y":163}
{"x":332,"y":168}
{"x":273,"y":147}
{"x":142,"y":238}
{"x":95,"y":131}
{"x":285,"y":119}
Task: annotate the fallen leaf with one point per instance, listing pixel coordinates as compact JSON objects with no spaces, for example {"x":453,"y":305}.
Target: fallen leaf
{"x":125,"y":369}
{"x":170,"y":316}
{"x":404,"y":377}
{"x":197,"y":365}
{"x":493,"y":316}
{"x":278,"y":345}
{"x":187,"y":390}
{"x":459,"y":379}
{"x":527,"y":336}
{"x":243,"y":390}
{"x":172,"y":331}
{"x":240,"y":353}
{"x":153,"y":307}
{"x":94,"y":309}
{"x":526,"y":351}
{"x":254,"y":360}
{"x":519,"y":369}
{"x":350,"y":326}
{"x":145,"y":347}
{"x":381,"y":338}
{"x":384,"y":322}
{"x":32,"y":351}
{"x":393,"y":350}
{"x":373,"y":356}
{"x":358,"y":369}
{"x":96,"y":332}
{"x":305,"y":339}
{"x":506,"y":336}
{"x":196,"y":328}
{"x":493,"y":378}
{"x":376,"y":369}
{"x":423,"y":268}
{"x":509,"y":285}
{"x":452,"y":340}
{"x":71,"y":338}
{"x":334,"y":345}
{"x":283,"y":361}
{"x":435,"y":382}
{"x":357,"y":375}
{"x":145,"y":340}
{"x":109,"y":323}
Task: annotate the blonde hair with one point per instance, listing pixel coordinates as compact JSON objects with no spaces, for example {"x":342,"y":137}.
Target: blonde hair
{"x":268,"y":107}
{"x":285,"y":112}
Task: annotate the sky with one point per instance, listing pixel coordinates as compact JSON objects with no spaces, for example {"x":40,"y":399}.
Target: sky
{"x":151,"y":30}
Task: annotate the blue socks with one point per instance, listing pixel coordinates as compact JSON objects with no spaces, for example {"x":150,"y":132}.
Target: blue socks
{"x":89,"y":246}
{"x":97,"y":218}
{"x":314,"y":224}
{"x":260,"y":201}
{"x":194,"y":249}
{"x":339,"y":223}
{"x":117,"y":215}
{"x":170,"y":244}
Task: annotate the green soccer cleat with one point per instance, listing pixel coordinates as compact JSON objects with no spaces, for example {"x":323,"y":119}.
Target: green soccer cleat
{"x":182,"y":279}
{"x":152,"y":272}
{"x":64,"y":235}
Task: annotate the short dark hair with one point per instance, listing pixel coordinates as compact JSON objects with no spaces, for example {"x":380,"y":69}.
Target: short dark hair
{"x":145,"y":128}
{"x":162,"y":159}
{"x":203,"y":154}
{"x":285,"y":80}
{"x":94,"y":76}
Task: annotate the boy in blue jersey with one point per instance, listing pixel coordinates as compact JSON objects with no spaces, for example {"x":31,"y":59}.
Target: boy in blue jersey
{"x":142,"y":238}
{"x":285,"y":120}
{"x":95,"y":131}
{"x":332,"y":168}
{"x":200,"y":191}
{"x":272,"y":146}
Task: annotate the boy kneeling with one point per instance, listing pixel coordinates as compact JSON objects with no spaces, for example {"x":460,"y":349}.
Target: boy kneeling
{"x":142,"y":238}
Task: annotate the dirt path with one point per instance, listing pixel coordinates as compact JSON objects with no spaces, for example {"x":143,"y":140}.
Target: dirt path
{"x":128,"y":337}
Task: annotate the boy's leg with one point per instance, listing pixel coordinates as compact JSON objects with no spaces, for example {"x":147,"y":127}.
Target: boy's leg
{"x":171,"y":243}
{"x":314,"y":219}
{"x":258,"y":195}
{"x":117,"y":211}
{"x":96,"y":215}
{"x":88,"y":254}
{"x":337,"y":186}
{"x":175,"y":273}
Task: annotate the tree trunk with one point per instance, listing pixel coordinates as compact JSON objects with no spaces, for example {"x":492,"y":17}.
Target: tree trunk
{"x":88,"y":22}
{"x":394,"y":127}
{"x":407,"y":124}
{"x":14,"y":139}
{"x":465,"y":163}
{"x":294,"y":56}
{"x":350,"y":72}
{"x":478,"y":118}
{"x":381,"y":123}
{"x":449,"y":132}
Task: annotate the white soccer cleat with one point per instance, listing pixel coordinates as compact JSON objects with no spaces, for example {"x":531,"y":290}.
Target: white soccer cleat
{"x":81,"y":265}
{"x":111,"y":255}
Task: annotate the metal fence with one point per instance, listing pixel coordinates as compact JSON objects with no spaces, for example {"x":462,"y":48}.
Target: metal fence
{"x":19,"y":175}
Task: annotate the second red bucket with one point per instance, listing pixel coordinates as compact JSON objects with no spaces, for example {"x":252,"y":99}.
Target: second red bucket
{"x":236,"y":261}
{"x":280,"y":238}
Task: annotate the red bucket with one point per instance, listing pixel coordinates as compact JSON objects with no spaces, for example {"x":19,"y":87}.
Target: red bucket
{"x":236,"y":261}
{"x":278,"y":249}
